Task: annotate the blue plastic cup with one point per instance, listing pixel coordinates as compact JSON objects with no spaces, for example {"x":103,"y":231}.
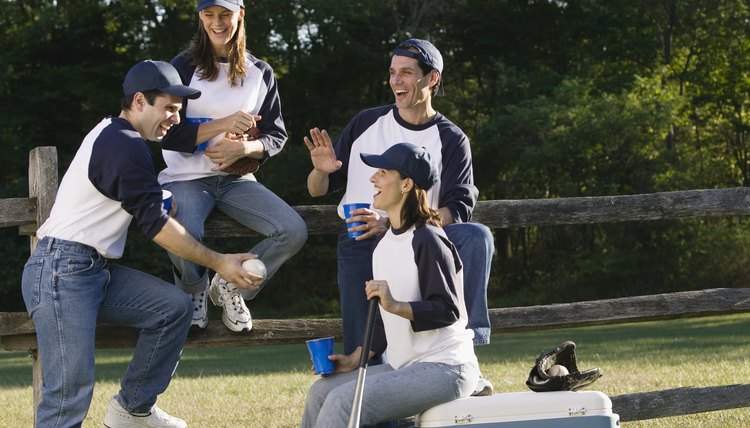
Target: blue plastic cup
{"x":166,"y":200}
{"x":348,"y":208}
{"x":198,"y":120}
{"x":320,"y":349}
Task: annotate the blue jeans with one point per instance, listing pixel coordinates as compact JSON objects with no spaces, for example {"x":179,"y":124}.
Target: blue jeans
{"x":475,"y":246}
{"x":67,"y":287}
{"x":249,"y":203}
{"x":388,"y":394}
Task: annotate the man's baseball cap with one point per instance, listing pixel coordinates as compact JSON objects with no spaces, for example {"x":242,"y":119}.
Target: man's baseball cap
{"x":151,"y":75}
{"x":233,"y":5}
{"x":427,"y":54}
{"x":410,"y":160}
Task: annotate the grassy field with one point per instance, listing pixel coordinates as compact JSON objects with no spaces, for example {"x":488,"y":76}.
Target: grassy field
{"x":265,"y":386}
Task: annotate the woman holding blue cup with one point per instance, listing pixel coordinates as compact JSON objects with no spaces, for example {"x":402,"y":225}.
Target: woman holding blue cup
{"x":421,"y":323}
{"x":320,"y":350}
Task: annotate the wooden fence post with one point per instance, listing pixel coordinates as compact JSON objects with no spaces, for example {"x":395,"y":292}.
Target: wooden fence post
{"x":43,"y":187}
{"x":42,"y":184}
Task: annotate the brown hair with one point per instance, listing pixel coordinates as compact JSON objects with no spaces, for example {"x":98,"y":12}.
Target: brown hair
{"x":416,"y":209}
{"x":204,"y":58}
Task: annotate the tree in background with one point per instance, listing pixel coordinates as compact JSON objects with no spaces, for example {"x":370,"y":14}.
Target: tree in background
{"x":559,"y":99}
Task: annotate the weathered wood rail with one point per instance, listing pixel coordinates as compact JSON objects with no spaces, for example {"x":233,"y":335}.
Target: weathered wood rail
{"x":17,"y":331}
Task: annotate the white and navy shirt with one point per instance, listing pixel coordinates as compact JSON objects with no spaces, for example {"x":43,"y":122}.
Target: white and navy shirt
{"x":110,"y":181}
{"x":256,"y":93}
{"x":375,"y":130}
{"x":422,"y":268}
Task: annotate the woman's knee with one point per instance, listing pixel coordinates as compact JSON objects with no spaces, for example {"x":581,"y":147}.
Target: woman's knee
{"x":294,"y":232}
{"x":319,"y":391}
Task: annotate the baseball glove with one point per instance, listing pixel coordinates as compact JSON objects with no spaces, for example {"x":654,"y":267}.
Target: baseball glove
{"x":540,"y":380}
{"x":245,"y":165}
{"x":242,"y":166}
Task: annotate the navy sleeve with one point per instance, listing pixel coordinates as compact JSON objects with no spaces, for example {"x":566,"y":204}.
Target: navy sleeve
{"x":438,"y":266}
{"x":271,"y":125}
{"x":457,"y":190}
{"x":182,"y":137}
{"x":122,"y":169}
{"x":379,"y":341}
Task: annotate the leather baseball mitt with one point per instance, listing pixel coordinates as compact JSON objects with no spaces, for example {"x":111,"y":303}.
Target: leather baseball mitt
{"x":244,"y":165}
{"x":542,"y":380}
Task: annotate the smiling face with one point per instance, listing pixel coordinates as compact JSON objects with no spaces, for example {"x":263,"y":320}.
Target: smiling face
{"x":410,"y":86}
{"x":153,"y":121}
{"x":390,"y":192}
{"x":221,"y":25}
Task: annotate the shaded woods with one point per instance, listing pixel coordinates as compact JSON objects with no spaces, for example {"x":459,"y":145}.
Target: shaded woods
{"x":559,"y":99}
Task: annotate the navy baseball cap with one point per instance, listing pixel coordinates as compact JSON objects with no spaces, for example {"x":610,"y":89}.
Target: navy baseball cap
{"x":426,"y":54}
{"x":151,"y":75}
{"x":410,"y":160}
{"x":233,"y":5}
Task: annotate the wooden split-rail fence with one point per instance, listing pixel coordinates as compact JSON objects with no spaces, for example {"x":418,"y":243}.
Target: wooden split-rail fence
{"x":17,"y":330}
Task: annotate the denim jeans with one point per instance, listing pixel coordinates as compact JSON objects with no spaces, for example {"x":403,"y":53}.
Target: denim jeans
{"x":249,"y":203}
{"x":475,"y":246}
{"x":67,"y":287}
{"x":388,"y":394}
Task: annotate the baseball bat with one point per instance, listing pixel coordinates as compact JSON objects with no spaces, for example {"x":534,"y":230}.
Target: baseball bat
{"x":359,"y":390}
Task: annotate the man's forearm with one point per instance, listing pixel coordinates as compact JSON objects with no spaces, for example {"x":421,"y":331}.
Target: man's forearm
{"x":174,"y":238}
{"x":317,"y":183}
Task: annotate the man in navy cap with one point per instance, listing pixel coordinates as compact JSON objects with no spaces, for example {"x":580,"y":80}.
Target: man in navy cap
{"x":416,"y":73}
{"x":69,"y":281}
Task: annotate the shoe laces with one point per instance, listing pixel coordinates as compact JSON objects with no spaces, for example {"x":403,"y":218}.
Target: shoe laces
{"x":236,"y":300}
{"x":228,"y":292}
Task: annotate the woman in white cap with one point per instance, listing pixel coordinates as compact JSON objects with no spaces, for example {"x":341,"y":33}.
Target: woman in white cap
{"x":211,"y":156}
{"x":421,"y":323}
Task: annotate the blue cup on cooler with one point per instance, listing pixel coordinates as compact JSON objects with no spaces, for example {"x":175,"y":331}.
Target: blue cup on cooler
{"x":348,"y":208}
{"x":320,"y":349}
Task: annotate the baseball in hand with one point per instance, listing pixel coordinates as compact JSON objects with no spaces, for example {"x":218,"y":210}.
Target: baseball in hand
{"x":255,"y":267}
{"x":557,"y":370}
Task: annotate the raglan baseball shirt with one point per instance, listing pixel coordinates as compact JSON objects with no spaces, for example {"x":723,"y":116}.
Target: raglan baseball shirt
{"x":422,"y":268}
{"x":256,"y":93}
{"x":375,"y":130}
{"x":110,"y":181}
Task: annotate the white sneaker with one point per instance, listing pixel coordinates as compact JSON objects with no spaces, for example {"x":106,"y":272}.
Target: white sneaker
{"x":200,"y":309}
{"x":236,"y":316}
{"x":118,"y":417}
{"x":484,"y":388}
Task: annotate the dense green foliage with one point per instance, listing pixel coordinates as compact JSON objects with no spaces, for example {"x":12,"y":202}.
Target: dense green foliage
{"x":559,"y":98}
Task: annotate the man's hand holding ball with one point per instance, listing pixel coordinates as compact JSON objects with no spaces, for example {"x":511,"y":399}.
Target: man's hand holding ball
{"x":257,"y":270}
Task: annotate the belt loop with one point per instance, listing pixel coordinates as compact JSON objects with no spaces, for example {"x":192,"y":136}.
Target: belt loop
{"x":50,"y":243}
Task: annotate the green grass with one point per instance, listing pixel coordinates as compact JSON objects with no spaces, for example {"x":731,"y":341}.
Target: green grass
{"x":265,"y":386}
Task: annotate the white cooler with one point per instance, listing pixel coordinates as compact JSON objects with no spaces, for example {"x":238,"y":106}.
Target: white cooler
{"x":564,"y":409}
